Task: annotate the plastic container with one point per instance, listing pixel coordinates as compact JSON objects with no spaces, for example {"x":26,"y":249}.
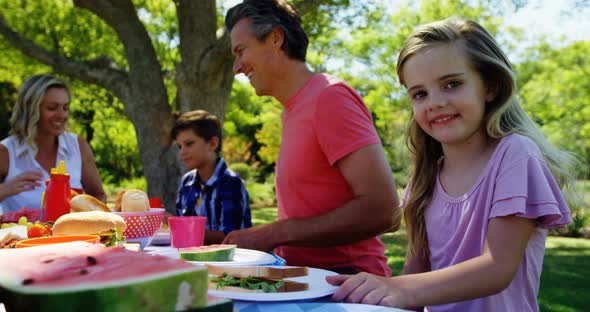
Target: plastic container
{"x":142,"y":226}
{"x":40,"y":241}
{"x":187,"y":231}
{"x":56,"y":201}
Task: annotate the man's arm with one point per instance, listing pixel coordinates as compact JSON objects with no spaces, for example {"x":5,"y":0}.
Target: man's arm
{"x":213,"y":237}
{"x":374,"y":209}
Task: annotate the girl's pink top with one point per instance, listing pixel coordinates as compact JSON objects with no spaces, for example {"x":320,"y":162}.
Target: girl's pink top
{"x":515,"y":182}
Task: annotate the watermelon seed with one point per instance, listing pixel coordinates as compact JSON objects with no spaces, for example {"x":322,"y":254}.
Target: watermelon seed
{"x":48,"y":260}
{"x":83,"y":272}
{"x":28,"y":281}
{"x":91,"y":260}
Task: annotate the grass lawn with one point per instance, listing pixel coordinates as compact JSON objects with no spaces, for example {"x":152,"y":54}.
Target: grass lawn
{"x":565,"y":281}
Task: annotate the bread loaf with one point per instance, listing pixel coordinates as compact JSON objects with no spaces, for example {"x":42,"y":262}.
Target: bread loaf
{"x":119,"y":200}
{"x":135,"y":201}
{"x":85,"y":202}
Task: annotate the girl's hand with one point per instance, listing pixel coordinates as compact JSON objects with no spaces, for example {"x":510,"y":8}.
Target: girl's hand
{"x":23,"y":182}
{"x":367,"y":289}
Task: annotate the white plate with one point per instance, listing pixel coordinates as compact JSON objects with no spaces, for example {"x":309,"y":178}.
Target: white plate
{"x":161,"y":238}
{"x":241,"y":257}
{"x":318,"y":287}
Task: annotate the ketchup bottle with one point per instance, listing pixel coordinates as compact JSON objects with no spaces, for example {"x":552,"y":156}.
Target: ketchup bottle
{"x":57,"y":195}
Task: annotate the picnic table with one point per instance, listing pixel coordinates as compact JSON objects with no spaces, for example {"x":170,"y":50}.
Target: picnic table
{"x":323,"y":303}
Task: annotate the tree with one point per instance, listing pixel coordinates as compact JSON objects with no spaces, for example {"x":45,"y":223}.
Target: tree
{"x":370,"y":58}
{"x":7,"y":95}
{"x":143,"y":52}
{"x":554,"y":88}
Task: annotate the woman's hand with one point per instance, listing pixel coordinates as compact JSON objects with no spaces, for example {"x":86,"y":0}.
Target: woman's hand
{"x":23,"y":182}
{"x":367,"y":289}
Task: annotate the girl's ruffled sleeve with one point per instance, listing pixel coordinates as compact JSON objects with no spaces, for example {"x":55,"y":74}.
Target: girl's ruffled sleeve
{"x":528,"y":189}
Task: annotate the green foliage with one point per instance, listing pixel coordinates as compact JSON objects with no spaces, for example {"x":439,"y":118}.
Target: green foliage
{"x":7,"y":97}
{"x":71,"y":30}
{"x":113,"y":136}
{"x":95,"y":114}
{"x":262,"y":194}
{"x":244,"y":170}
{"x":261,"y":191}
{"x":555,"y":92}
{"x":370,"y":57}
{"x":580,"y":210}
{"x":111,"y":189}
{"x":252,"y":129}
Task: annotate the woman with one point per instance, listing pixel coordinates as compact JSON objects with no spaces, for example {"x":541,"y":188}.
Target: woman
{"x":38,"y":142}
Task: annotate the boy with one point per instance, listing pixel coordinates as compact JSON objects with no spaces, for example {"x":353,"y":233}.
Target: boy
{"x":210,"y":188}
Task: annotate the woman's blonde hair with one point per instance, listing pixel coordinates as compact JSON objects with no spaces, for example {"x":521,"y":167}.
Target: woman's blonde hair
{"x":503,"y":116}
{"x":26,"y":111}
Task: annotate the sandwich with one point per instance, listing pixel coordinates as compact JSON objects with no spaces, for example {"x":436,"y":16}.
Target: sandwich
{"x":85,"y":202}
{"x":256,"y":278}
{"x":10,"y":235}
{"x":108,"y":226}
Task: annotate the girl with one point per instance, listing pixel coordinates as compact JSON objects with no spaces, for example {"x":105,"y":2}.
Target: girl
{"x":482,"y":193}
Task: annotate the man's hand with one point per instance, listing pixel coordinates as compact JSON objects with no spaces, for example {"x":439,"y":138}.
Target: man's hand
{"x":258,"y":238}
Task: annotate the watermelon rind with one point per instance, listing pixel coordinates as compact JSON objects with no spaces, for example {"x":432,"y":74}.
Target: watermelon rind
{"x":174,"y":291}
{"x":213,"y":253}
{"x":215,"y":304}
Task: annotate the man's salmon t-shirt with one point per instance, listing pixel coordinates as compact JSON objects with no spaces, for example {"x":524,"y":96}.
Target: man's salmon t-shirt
{"x":325,"y":121}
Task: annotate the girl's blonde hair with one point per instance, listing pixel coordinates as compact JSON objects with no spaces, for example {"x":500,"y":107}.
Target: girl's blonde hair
{"x":26,"y":112}
{"x":503,"y":116}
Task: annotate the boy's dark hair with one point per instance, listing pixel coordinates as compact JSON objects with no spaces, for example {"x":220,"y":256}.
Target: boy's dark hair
{"x":265,"y":15}
{"x":201,"y":122}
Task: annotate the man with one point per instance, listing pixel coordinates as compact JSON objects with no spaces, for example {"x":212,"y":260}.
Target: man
{"x":334,"y":186}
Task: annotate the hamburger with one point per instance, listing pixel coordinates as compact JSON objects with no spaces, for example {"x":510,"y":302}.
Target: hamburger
{"x":107,"y":225}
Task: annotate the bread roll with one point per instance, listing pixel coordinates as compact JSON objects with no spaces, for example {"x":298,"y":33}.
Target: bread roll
{"x":119,"y":200}
{"x":88,"y":223}
{"x":135,"y":201}
{"x":85,"y":202}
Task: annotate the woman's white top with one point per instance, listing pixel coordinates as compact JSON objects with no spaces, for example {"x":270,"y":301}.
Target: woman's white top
{"x":22,"y":159}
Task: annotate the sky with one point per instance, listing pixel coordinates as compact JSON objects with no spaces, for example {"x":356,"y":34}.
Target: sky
{"x":546,"y":17}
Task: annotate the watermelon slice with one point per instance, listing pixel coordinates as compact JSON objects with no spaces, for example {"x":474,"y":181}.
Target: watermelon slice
{"x":86,"y":277}
{"x":208,"y":253}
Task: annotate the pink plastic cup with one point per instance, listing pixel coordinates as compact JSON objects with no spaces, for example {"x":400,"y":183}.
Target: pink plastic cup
{"x":187,"y":231}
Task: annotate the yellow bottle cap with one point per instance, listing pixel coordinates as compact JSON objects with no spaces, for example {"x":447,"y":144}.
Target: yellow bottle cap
{"x":61,"y":168}
{"x":52,"y":170}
